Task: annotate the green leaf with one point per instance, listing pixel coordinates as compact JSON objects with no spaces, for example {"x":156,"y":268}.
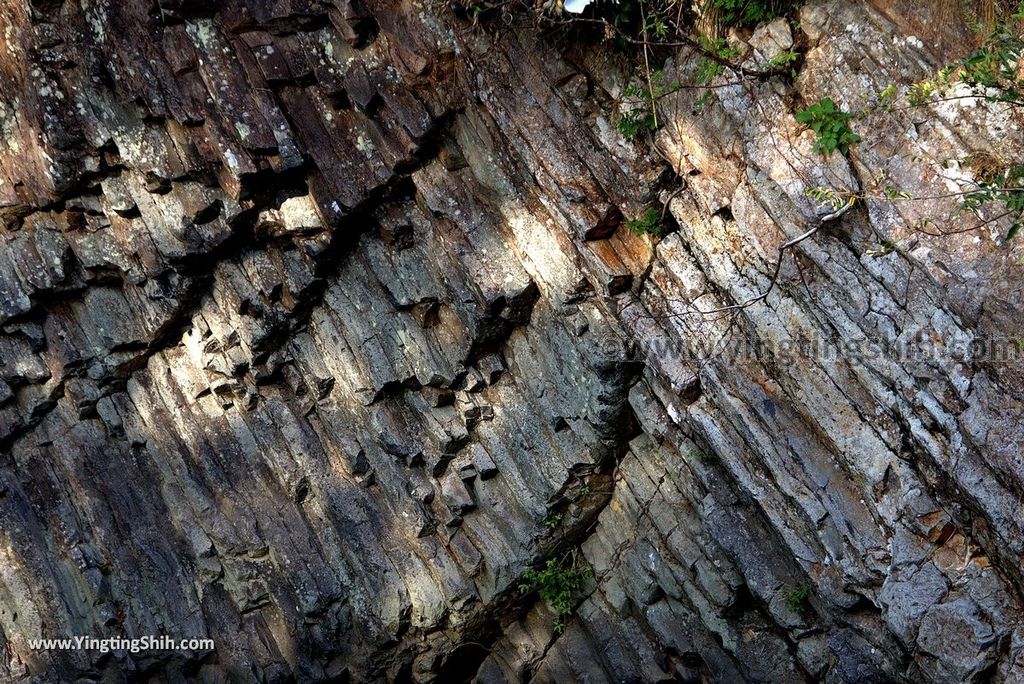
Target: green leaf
{"x":830,"y":125}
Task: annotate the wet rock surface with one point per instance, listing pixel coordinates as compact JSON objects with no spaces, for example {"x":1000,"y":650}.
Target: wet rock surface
{"x":319,"y":326}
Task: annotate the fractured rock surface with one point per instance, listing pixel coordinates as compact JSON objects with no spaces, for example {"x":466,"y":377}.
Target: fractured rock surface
{"x":319,"y":326}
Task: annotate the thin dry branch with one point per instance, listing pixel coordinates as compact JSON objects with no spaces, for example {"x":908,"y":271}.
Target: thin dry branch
{"x":776,"y":270}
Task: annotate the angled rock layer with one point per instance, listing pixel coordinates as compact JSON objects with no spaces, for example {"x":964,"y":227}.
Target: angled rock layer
{"x":319,"y":326}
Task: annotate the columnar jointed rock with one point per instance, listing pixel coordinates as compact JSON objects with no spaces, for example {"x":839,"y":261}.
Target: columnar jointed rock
{"x":318,"y":330}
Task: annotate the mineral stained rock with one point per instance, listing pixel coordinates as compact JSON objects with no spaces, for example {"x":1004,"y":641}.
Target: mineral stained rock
{"x":319,"y":326}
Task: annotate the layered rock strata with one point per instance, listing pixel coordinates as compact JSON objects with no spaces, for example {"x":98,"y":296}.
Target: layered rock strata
{"x":319,"y":325}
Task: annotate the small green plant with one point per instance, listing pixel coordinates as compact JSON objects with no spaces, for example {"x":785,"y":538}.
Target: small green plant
{"x":921,"y":92}
{"x":656,"y":17}
{"x":647,"y":20}
{"x":887,"y":97}
{"x":643,"y":93}
{"x":827,"y":197}
{"x":702,"y":102}
{"x":748,"y":12}
{"x":585,"y":488}
{"x":993,"y":69}
{"x":831,"y":125}
{"x":1005,"y":187}
{"x":473,"y":9}
{"x":631,"y":123}
{"x":798,"y":600}
{"x":709,"y":69}
{"x":782,"y":59}
{"x":894,"y":193}
{"x":702,"y":456}
{"x":559,"y":584}
{"x":885,"y":248}
{"x":648,"y":223}
{"x":996,"y":65}
{"x":553,"y":520}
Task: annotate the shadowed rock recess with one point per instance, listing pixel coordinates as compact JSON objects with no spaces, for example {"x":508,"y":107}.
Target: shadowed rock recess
{"x":319,"y":326}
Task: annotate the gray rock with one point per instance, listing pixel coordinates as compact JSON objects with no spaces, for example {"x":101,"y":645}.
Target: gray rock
{"x":960,"y":641}
{"x":319,"y":326}
{"x":907,"y":595}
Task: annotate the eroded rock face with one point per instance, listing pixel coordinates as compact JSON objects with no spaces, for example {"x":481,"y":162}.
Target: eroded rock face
{"x":319,"y":327}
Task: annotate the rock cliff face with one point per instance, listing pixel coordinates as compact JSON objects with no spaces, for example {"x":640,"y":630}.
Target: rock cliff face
{"x":320,"y":327}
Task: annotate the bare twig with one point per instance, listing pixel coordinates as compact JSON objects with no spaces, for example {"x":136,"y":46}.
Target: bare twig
{"x":979,"y":226}
{"x":949,"y":98}
{"x":647,"y":66}
{"x":777,"y":269}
